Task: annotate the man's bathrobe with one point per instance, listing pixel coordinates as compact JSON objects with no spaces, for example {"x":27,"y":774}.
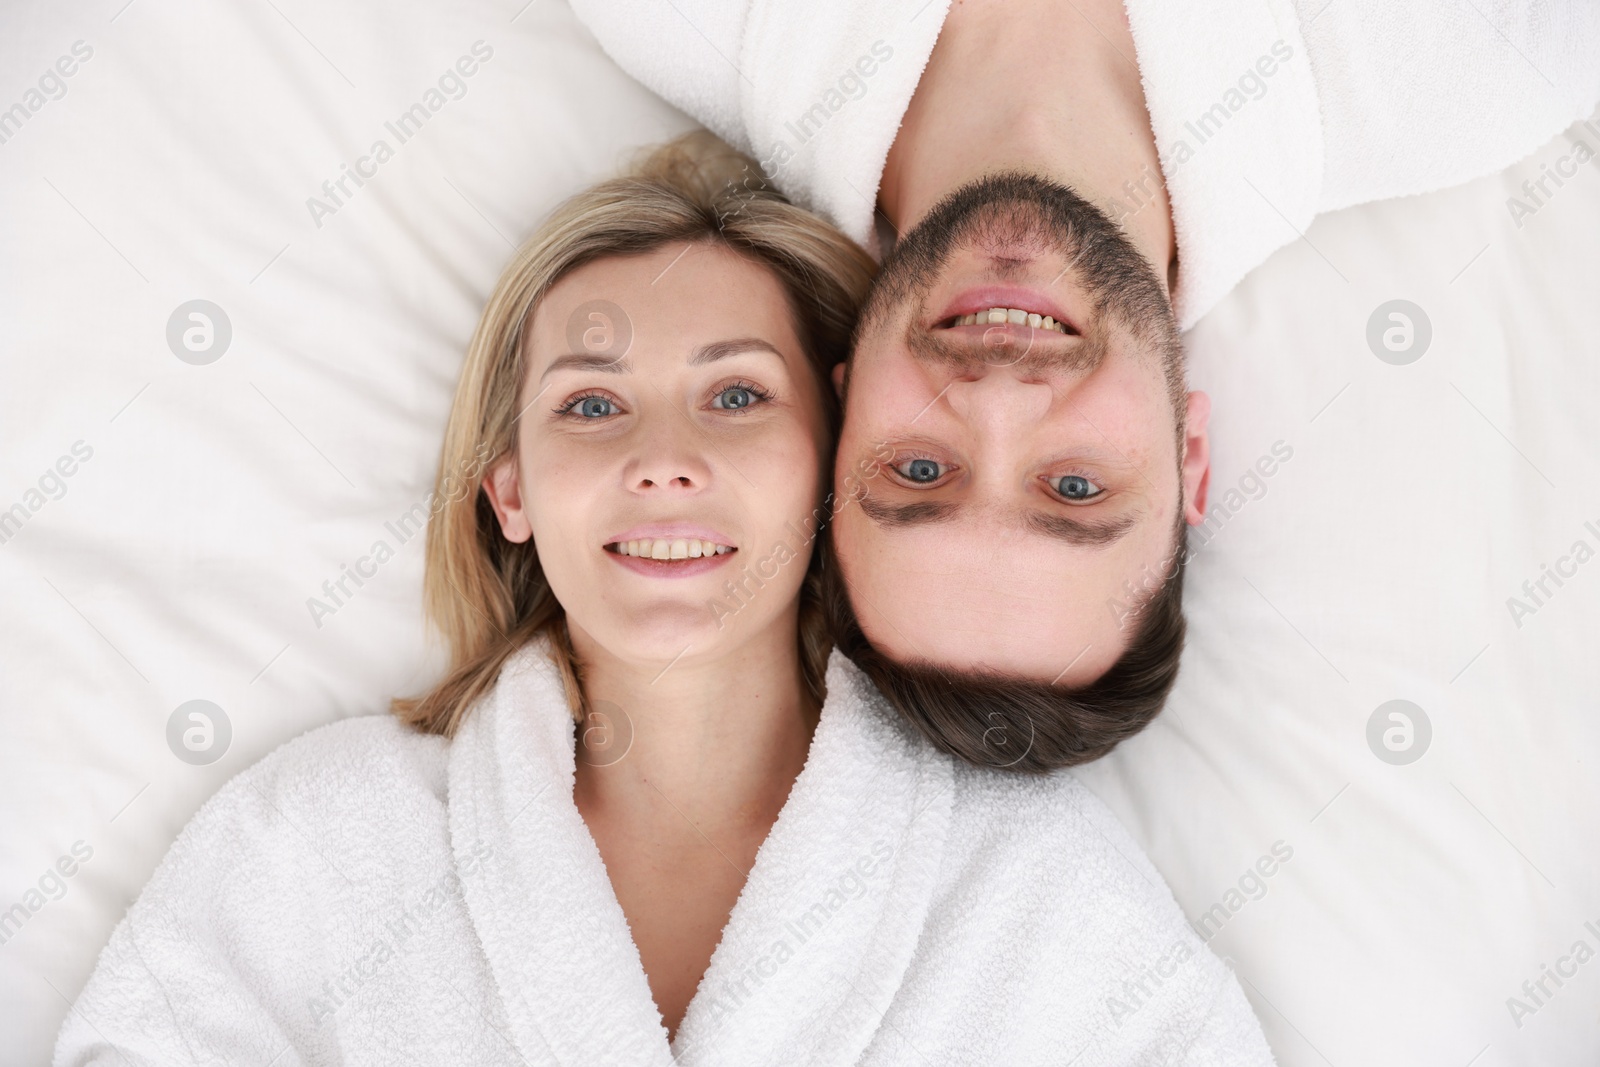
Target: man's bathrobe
{"x":369,"y":895}
{"x":1265,"y":113}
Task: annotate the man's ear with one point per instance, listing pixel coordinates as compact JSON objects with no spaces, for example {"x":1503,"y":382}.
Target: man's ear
{"x":1196,"y":457}
{"x":504,"y":491}
{"x":838,"y":381}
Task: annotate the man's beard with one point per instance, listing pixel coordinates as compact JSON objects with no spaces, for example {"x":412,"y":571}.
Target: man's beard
{"x":1013,"y":218}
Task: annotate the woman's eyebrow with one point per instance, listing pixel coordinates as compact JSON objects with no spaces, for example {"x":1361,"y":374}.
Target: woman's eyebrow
{"x":707,"y":353}
{"x":609,"y":364}
{"x":716,"y":350}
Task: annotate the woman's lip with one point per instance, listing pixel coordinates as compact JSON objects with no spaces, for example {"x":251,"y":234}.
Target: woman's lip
{"x":677,"y":568}
{"x":672,"y":531}
{"x":982,"y":298}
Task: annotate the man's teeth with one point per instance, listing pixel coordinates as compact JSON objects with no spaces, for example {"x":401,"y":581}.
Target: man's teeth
{"x":669,"y":549}
{"x":1014,"y":316}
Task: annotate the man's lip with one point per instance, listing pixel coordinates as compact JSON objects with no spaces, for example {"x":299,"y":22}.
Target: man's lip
{"x":982,"y":298}
{"x":672,"y":531}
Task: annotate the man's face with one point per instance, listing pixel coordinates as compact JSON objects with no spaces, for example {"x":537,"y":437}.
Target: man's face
{"x":1023,"y":484}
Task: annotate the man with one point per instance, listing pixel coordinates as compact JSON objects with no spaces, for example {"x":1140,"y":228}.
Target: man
{"x":1065,"y":183}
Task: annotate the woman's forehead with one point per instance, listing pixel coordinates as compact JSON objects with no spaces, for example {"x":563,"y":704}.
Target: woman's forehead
{"x":675,"y":296}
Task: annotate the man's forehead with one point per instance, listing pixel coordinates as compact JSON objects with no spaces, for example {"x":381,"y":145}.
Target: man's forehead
{"x":1011,"y":621}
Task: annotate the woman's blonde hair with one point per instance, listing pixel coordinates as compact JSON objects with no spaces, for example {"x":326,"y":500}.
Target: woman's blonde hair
{"x":488,"y":596}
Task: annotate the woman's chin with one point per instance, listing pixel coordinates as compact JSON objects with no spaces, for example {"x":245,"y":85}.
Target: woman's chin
{"x":666,"y":633}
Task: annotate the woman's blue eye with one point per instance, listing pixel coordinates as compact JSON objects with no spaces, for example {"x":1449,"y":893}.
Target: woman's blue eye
{"x":594,"y":407}
{"x":921,"y":470}
{"x":1077,"y":487}
{"x":735,"y":397}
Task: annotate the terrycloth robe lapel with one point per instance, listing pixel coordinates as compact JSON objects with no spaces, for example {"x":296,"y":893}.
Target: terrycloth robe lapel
{"x":816,"y":946}
{"x":569,"y":975}
{"x":820,"y":939}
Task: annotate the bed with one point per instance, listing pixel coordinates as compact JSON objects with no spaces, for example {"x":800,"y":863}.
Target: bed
{"x":245,"y":245}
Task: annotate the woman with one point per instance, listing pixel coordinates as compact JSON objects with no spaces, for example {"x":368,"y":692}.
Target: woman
{"x":645,"y":819}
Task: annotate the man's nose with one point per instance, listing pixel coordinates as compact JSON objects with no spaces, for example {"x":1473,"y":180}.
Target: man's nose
{"x":999,"y":403}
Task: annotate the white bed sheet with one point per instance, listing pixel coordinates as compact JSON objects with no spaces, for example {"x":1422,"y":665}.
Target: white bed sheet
{"x":176,"y":561}
{"x":1376,"y":564}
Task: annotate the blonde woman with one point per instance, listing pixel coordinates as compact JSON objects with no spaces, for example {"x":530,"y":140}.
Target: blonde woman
{"x":645,"y":818}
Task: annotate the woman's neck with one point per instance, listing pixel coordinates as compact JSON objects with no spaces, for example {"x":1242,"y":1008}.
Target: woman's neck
{"x":712,"y":742}
{"x":681,"y":798}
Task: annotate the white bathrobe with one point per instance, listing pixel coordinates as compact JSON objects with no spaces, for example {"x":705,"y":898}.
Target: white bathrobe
{"x":369,"y":895}
{"x":1265,"y":112}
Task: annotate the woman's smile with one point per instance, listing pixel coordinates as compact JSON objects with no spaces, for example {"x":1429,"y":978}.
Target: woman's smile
{"x":656,"y":566}
{"x":673,"y":550}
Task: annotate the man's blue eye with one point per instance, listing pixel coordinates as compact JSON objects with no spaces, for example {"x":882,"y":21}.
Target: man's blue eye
{"x":921,"y":470}
{"x":735,"y":397}
{"x":1077,"y":487}
{"x":594,"y":407}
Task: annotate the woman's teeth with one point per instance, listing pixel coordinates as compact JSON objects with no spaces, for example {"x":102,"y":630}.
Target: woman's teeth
{"x":1014,"y":316}
{"x":665,"y":549}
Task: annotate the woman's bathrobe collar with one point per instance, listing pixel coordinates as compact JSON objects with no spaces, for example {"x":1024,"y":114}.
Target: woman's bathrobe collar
{"x":370,"y":895}
{"x":816,"y":946}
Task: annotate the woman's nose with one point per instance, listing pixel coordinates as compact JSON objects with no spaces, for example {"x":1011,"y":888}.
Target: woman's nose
{"x":673,"y":463}
{"x":660,"y":479}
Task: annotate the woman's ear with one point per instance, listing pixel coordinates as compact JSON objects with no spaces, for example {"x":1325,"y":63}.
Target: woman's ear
{"x":838,"y":380}
{"x":1196,"y":457}
{"x":504,"y":491}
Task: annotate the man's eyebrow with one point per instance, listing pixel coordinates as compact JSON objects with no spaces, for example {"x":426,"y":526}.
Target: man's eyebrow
{"x":926,"y":511}
{"x":722,"y":349}
{"x":1078,"y":531}
{"x":608,"y":364}
{"x":1061,"y":527}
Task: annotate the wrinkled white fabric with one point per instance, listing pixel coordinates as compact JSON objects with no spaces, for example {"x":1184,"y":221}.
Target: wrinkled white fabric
{"x":370,"y":895}
{"x":1265,"y":114}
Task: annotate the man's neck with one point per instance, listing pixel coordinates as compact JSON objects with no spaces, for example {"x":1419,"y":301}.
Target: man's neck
{"x":1044,"y":86}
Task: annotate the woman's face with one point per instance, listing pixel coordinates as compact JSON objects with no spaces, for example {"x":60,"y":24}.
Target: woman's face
{"x":670,"y":452}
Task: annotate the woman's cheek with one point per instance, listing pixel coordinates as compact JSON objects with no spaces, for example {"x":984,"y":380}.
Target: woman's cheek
{"x":790,"y":476}
{"x":559,"y":465}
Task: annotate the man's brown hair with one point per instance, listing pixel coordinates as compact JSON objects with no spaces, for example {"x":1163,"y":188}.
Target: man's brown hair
{"x":995,"y":720}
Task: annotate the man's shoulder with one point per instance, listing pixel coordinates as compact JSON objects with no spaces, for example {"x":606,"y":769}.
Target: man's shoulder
{"x":1054,"y":804}
{"x":1098,"y":930}
{"x":1051,"y":832}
